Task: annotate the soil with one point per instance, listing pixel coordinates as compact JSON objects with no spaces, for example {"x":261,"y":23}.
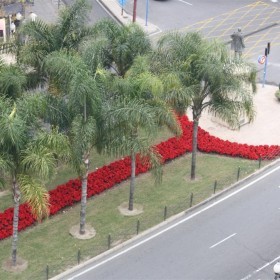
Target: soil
{"x":137,"y":209}
{"x":75,"y":232}
{"x":20,"y":266}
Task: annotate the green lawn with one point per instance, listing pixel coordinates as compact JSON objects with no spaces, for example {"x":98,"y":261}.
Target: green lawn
{"x":64,"y":173}
{"x":49,"y":243}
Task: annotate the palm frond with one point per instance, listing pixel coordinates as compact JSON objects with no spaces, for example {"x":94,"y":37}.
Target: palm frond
{"x":36,"y":195}
{"x":55,"y":141}
{"x":13,"y":133}
{"x":39,"y":160}
{"x":12,"y":81}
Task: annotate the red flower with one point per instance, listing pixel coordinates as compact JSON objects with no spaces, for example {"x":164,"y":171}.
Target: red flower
{"x":109,"y":175}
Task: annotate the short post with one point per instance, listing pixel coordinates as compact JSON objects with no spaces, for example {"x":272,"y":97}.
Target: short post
{"x":215,"y":186}
{"x":109,"y":241}
{"x":79,"y":256}
{"x":191,"y":200}
{"x":165,"y":213}
{"x":47,"y":272}
{"x":266,"y":53}
{"x":138,"y":226}
{"x":238,"y":173}
{"x":260,"y":162}
{"x":147,"y":12}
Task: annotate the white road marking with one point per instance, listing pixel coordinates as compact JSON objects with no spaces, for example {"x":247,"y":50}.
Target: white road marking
{"x":261,"y":268}
{"x":222,"y":241}
{"x":175,"y":225}
{"x":185,"y":2}
{"x":247,"y":277}
{"x":273,"y":64}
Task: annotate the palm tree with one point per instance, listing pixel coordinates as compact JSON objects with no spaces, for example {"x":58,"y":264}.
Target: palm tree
{"x":116,"y":46}
{"x":80,"y":92}
{"x":134,"y":116}
{"x":200,"y":75}
{"x":42,"y":38}
{"x":12,"y":81}
{"x":29,"y":154}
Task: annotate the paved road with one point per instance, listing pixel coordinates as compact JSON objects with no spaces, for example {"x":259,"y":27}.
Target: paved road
{"x":260,"y":22}
{"x":216,"y":18}
{"x":235,"y":237}
{"x":96,"y":11}
{"x":48,"y":10}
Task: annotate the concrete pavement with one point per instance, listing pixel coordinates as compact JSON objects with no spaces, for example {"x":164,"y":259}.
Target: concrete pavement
{"x":264,"y":130}
{"x":46,"y":10}
{"x":115,"y":9}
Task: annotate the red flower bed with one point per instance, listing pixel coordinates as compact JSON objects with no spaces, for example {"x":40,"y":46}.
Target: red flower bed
{"x":106,"y":177}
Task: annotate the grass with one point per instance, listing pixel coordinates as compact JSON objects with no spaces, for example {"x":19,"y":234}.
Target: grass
{"x":64,"y":172}
{"x":49,"y":243}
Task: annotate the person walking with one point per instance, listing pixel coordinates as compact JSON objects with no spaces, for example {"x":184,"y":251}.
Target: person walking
{"x":12,"y":28}
{"x":237,"y":43}
{"x":32,"y":16}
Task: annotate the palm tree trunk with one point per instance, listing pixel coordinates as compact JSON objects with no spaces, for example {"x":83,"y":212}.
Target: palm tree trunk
{"x":84,"y":197}
{"x":132,"y":181}
{"x":16,"y":192}
{"x":194,"y":147}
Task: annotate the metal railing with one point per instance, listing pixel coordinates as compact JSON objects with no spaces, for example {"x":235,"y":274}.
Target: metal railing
{"x":137,"y":224}
{"x":7,"y":47}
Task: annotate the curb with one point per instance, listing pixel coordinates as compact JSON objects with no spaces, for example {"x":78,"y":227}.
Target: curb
{"x":167,"y":221}
{"x":114,"y":9}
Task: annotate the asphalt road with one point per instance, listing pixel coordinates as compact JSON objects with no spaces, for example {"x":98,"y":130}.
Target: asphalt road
{"x":234,"y":237}
{"x":96,"y":11}
{"x":259,"y":21}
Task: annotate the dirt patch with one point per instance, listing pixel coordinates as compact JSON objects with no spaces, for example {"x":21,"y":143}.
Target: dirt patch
{"x":137,"y":209}
{"x":20,"y":266}
{"x":189,"y":180}
{"x":75,"y":232}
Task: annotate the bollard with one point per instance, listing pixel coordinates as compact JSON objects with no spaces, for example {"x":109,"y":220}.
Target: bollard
{"x":165,"y":213}
{"x":138,"y":226}
{"x":260,"y":162}
{"x":79,"y":256}
{"x":191,"y":200}
{"x":109,"y":241}
{"x":215,"y":186}
{"x":238,"y":173}
{"x":47,"y":272}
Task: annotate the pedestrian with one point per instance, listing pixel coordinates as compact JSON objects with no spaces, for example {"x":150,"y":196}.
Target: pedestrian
{"x":12,"y":28}
{"x":32,"y":16}
{"x":237,"y":43}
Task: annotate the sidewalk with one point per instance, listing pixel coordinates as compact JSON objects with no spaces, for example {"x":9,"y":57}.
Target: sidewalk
{"x":46,"y":10}
{"x":115,"y":9}
{"x":265,"y":129}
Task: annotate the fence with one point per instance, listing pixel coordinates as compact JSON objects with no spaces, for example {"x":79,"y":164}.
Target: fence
{"x":6,"y":47}
{"x":135,"y":225}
